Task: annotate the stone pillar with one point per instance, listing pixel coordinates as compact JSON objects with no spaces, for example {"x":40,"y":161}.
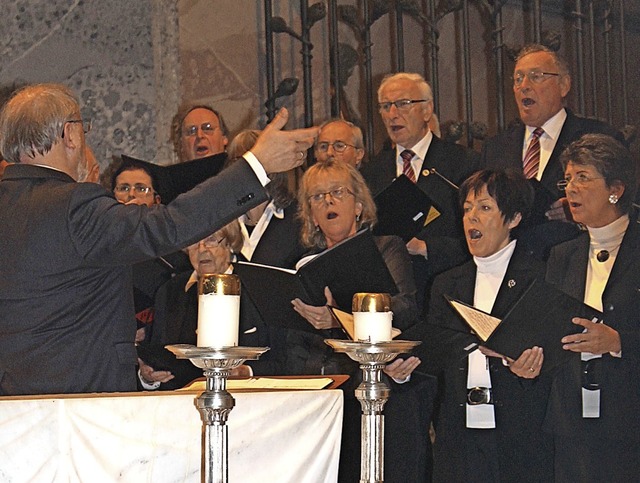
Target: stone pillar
{"x":166,"y":65}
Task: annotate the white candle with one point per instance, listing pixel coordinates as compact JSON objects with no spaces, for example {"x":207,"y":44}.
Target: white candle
{"x":372,"y":326}
{"x":218,"y":320}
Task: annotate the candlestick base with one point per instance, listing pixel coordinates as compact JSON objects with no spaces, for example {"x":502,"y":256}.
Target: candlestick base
{"x":372,"y":393}
{"x":215,"y":403}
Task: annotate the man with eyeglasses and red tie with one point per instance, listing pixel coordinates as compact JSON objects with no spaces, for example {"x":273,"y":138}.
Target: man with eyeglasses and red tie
{"x":405,"y":103}
{"x":541,"y":82}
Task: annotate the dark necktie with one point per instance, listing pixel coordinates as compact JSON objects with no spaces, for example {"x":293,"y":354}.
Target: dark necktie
{"x":407,"y":155}
{"x":531,"y":161}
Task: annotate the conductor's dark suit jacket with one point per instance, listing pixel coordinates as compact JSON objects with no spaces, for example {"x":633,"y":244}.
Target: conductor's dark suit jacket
{"x":523,"y":452}
{"x":446,"y":246}
{"x":505,"y":151}
{"x":66,"y":310}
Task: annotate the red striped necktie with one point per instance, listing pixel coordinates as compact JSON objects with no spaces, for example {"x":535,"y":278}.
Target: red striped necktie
{"x":531,"y":161}
{"x":407,"y":155}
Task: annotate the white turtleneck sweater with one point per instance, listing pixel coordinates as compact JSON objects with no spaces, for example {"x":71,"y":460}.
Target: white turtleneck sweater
{"x":607,"y":238}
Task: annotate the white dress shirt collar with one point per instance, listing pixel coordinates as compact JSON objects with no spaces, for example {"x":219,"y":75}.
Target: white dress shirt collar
{"x":250,"y":241}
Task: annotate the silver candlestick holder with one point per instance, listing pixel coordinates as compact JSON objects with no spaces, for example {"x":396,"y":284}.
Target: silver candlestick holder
{"x":215,"y":403}
{"x":372,"y":393}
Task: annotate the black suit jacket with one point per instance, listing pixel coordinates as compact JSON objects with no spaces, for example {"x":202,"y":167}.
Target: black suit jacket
{"x":408,"y":410}
{"x":446,"y":245}
{"x":505,"y":151}
{"x":522,"y":452}
{"x":66,"y":301}
{"x":619,"y":377}
{"x":176,"y":321}
{"x":280,"y":243}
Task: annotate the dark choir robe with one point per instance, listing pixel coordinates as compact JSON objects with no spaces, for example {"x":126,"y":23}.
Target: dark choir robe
{"x":408,"y":410}
{"x":516,"y":450}
{"x":605,"y":448}
{"x":280,"y":244}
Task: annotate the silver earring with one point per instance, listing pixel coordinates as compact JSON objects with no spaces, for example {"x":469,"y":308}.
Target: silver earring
{"x":613,"y":199}
{"x":317,"y":227}
{"x":357,"y":218}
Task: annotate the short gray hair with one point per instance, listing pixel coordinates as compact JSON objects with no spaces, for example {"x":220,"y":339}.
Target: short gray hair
{"x":561,"y":64}
{"x":32,"y":121}
{"x":425,"y":88}
{"x":356,"y":132}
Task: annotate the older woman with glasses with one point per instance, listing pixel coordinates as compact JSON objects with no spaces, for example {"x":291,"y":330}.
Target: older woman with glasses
{"x":176,"y":308}
{"x":594,"y":412}
{"x":334,"y":204}
{"x":176,"y":311}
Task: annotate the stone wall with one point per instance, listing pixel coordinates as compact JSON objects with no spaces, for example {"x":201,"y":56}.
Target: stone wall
{"x":102,"y":50}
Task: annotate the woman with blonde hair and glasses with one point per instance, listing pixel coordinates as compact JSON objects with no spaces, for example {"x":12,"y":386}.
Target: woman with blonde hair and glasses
{"x":334,"y":204}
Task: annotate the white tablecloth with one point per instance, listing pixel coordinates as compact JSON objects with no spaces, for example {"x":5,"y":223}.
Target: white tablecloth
{"x":280,"y":436}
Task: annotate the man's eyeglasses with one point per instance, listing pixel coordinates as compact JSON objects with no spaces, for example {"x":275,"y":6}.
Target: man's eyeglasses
{"x":137,"y":188}
{"x":534,"y":76}
{"x":213,"y":241}
{"x":206,"y":128}
{"x":580,"y":181}
{"x":86,"y":125}
{"x":336,"y":194}
{"x":338,"y":146}
{"x":401,"y":104}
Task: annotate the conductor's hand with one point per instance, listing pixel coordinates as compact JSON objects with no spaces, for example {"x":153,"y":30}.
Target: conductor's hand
{"x":279,"y":150}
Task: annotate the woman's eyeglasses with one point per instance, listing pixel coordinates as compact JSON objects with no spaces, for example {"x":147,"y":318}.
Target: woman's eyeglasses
{"x":335,"y":194}
{"x":137,"y":188}
{"x":580,"y":181}
{"x":213,"y":241}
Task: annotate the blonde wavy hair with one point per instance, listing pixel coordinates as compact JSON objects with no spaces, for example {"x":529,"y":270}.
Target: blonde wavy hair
{"x":312,"y":236}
